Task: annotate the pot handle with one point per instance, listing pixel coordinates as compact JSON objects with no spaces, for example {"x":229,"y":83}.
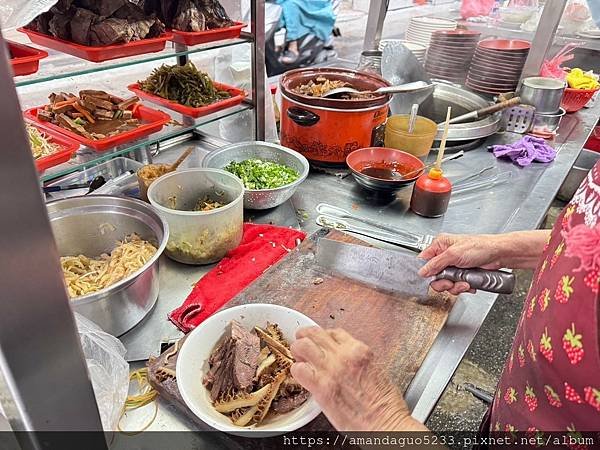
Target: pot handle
{"x":303,"y":117}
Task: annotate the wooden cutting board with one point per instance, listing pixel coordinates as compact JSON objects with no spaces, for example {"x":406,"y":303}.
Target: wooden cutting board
{"x":400,"y":330}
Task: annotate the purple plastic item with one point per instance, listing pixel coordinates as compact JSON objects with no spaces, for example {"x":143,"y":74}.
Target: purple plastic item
{"x":525,"y":151}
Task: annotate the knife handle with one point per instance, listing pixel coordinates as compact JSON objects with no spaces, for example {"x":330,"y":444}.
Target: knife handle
{"x":497,"y":281}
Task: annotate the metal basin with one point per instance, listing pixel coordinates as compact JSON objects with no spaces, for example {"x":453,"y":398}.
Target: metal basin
{"x":462,"y":101}
{"x":261,"y":198}
{"x":92,"y":225}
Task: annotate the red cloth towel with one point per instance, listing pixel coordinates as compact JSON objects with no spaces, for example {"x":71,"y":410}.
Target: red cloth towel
{"x":261,"y":247}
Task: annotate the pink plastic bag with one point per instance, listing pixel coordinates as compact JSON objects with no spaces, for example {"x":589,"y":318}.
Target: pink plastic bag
{"x":474,"y":8}
{"x":553,"y":67}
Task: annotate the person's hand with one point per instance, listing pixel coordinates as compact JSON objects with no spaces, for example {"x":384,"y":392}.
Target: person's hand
{"x":340,"y":372}
{"x":464,"y":251}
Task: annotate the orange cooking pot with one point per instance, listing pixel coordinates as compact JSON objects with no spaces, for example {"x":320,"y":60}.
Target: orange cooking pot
{"x":326,"y":130}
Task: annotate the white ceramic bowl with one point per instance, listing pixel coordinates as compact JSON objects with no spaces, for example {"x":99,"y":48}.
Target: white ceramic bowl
{"x":192,"y":365}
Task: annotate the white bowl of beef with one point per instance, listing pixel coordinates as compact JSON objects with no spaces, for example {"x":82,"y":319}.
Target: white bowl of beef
{"x":224,"y":354}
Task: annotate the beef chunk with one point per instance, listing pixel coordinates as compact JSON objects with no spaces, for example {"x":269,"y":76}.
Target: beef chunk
{"x":62,"y":109}
{"x":286,"y":404}
{"x":246,"y":355}
{"x":188,"y":17}
{"x":81,"y":24}
{"x":45,"y":116}
{"x":130,"y":12}
{"x":59,"y":26}
{"x":68,"y":123}
{"x":110,"y":31}
{"x":233,"y":363}
{"x":104,"y":8}
{"x":98,"y":94}
{"x":214,"y":13}
{"x":156,"y":29}
{"x":62,"y":5}
{"x":98,"y":102}
{"x":140,"y":29}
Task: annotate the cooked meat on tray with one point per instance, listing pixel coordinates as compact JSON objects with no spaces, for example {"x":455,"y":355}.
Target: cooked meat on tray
{"x":97,"y":23}
{"x":194,"y":15}
{"x":249,"y":375}
{"x":91,"y":114}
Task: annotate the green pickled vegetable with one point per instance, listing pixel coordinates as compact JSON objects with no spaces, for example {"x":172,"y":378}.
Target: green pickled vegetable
{"x":259,"y":174}
{"x":185,"y":85}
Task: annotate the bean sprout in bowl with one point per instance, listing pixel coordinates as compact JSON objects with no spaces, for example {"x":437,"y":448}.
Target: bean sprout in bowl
{"x":193,"y":366}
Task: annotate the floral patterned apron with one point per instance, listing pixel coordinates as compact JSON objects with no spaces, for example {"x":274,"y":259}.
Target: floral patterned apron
{"x":551,"y":380}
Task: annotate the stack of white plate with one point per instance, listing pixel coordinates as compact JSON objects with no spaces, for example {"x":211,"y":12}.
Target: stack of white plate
{"x":420,"y":28}
{"x":418,"y":50}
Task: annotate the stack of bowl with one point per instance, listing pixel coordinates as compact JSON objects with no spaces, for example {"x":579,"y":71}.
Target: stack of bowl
{"x":497,"y":65}
{"x":545,"y":94}
{"x":420,"y":28}
{"x":418,"y":50}
{"x":450,"y":53}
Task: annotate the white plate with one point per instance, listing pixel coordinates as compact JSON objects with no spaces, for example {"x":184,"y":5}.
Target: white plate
{"x":413,"y":26}
{"x":412,"y":46}
{"x":435,"y":21}
{"x":192,"y":365}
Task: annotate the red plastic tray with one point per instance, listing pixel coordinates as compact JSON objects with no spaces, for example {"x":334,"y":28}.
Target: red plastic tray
{"x":237,"y":96}
{"x":99,"y":54}
{"x":202,"y":37}
{"x":25,"y":60}
{"x":68,"y":147}
{"x":154,"y":121}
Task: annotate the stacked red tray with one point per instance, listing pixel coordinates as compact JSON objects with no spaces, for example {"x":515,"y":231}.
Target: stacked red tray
{"x":25,"y":60}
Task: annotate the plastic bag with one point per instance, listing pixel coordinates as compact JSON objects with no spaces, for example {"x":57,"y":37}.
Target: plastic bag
{"x":17,"y":13}
{"x":474,"y":8}
{"x":109,"y":372}
{"x":553,"y":67}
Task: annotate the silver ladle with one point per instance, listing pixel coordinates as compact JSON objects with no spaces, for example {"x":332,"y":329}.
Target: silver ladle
{"x":415,"y":86}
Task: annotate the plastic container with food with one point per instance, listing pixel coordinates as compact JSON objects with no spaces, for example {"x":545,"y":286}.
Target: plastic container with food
{"x":149,"y":174}
{"x":205,"y":212}
{"x":417,"y":143}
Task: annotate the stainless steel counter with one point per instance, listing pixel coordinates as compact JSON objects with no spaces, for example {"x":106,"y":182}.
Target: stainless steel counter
{"x":517,"y":205}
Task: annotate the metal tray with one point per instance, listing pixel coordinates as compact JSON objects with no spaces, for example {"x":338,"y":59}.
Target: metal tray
{"x":462,"y":101}
{"x":109,"y":170}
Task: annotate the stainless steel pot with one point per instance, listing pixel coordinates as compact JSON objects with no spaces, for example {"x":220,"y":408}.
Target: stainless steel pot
{"x":91,"y":225}
{"x":543,"y":93}
{"x":547,"y":123}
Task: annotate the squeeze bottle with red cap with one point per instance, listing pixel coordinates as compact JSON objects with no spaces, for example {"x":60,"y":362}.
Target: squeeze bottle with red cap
{"x":431,"y":194}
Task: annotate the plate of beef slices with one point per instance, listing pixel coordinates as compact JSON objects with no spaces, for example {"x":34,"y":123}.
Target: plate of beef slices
{"x":233,"y":371}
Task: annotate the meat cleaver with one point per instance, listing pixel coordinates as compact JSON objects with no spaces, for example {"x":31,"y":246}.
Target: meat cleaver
{"x":398,"y":270}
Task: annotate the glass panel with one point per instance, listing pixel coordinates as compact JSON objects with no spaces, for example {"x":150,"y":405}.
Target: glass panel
{"x":59,"y":65}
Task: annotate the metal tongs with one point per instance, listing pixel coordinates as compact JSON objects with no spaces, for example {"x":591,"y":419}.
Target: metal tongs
{"x":332,"y":217}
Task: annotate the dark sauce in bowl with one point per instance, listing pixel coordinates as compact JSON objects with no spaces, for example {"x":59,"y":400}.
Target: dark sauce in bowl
{"x":390,"y":171}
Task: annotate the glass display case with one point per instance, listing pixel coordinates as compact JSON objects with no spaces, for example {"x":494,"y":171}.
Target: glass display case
{"x":62,"y":72}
